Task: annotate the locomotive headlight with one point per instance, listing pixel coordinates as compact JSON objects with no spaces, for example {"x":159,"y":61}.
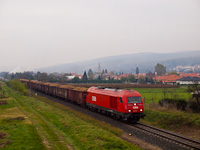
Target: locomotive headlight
{"x":134,"y":104}
{"x":129,"y":110}
{"x":140,"y":109}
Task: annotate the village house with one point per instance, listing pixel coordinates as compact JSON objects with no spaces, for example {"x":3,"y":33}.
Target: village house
{"x":173,"y":79}
{"x":188,"y":80}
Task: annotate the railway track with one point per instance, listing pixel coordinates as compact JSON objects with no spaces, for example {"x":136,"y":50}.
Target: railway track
{"x":186,"y":142}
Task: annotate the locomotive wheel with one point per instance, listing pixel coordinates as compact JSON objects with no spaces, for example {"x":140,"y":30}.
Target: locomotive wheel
{"x":118,"y":117}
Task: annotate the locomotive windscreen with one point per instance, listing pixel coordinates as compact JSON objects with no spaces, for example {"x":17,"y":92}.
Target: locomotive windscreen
{"x":134,"y":100}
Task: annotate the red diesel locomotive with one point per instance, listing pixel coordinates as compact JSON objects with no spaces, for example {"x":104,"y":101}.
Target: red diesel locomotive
{"x":123,"y":104}
{"x":119,"y":103}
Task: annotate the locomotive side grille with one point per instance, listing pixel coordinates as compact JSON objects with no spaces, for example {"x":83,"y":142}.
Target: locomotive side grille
{"x":113,"y":102}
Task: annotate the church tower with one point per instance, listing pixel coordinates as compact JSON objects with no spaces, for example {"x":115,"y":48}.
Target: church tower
{"x":99,"y":68}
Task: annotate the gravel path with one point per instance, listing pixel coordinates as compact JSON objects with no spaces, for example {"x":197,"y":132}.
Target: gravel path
{"x":145,"y":137}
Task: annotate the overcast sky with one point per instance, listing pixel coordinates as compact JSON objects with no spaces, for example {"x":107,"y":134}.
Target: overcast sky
{"x":39,"y":33}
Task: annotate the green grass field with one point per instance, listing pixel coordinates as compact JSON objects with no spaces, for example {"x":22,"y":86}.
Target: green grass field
{"x":38,"y":123}
{"x":152,"y":95}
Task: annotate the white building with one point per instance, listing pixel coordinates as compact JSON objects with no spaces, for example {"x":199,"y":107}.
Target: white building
{"x":188,"y":80}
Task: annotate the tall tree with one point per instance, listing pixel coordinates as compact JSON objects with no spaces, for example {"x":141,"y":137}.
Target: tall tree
{"x":12,"y":76}
{"x":173,"y":72}
{"x":63,"y":78}
{"x":90,"y":74}
{"x":43,"y":77}
{"x":52,"y":78}
{"x":75,"y":80}
{"x":160,"y":69}
{"x":84,"y":76}
{"x":26,"y":75}
{"x":106,"y":71}
{"x":141,"y":80}
{"x":137,"y":71}
{"x":99,"y":78}
{"x":124,"y":79}
{"x":103,"y":71}
{"x":131,"y":78}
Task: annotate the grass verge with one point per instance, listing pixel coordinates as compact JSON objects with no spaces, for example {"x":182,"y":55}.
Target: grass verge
{"x":19,"y":132}
{"x":175,"y":118}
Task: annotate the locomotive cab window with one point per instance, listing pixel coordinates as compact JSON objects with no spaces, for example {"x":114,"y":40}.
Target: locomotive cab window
{"x":120,"y":100}
{"x":134,"y":100}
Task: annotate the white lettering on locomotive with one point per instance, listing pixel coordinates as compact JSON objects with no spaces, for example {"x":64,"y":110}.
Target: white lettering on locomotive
{"x":135,"y":107}
{"x":94,"y":98}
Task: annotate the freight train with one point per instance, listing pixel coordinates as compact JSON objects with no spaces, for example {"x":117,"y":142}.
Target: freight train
{"x":119,"y":103}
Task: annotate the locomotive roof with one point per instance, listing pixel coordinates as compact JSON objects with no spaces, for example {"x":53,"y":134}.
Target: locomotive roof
{"x":113,"y":92}
{"x":109,"y":89}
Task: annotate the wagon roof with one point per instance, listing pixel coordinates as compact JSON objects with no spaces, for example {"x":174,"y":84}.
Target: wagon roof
{"x":73,"y":88}
{"x":83,"y":89}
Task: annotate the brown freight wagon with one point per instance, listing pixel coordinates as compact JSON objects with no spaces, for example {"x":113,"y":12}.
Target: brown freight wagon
{"x":62,"y":92}
{"x":25,"y":81}
{"x":42,"y":88}
{"x":30,"y":85}
{"x":34,"y":85}
{"x":38,"y":87}
{"x":53,"y":89}
{"x":77,"y":96}
{"x":45,"y":88}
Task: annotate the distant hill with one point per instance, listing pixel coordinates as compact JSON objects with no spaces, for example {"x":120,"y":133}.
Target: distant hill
{"x":128,"y":63}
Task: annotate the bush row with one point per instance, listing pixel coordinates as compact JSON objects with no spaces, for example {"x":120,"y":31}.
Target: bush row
{"x":181,"y":104}
{"x":18,"y":86}
{"x":171,"y":118}
{"x":3,"y":93}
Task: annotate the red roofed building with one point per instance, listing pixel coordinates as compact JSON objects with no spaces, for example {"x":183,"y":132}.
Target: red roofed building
{"x":189,"y":75}
{"x":124,"y":75}
{"x":171,"y":79}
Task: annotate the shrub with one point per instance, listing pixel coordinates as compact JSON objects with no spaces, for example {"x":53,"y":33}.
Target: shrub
{"x":3,"y":93}
{"x":195,"y":106}
{"x":17,"y":85}
{"x":161,"y":103}
{"x":180,"y":104}
{"x":169,"y":101}
{"x":164,"y":101}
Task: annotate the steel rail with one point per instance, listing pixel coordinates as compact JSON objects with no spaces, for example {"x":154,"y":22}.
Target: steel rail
{"x":168,"y":135}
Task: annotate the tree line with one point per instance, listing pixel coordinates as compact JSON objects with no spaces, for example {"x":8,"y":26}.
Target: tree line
{"x":88,"y":77}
